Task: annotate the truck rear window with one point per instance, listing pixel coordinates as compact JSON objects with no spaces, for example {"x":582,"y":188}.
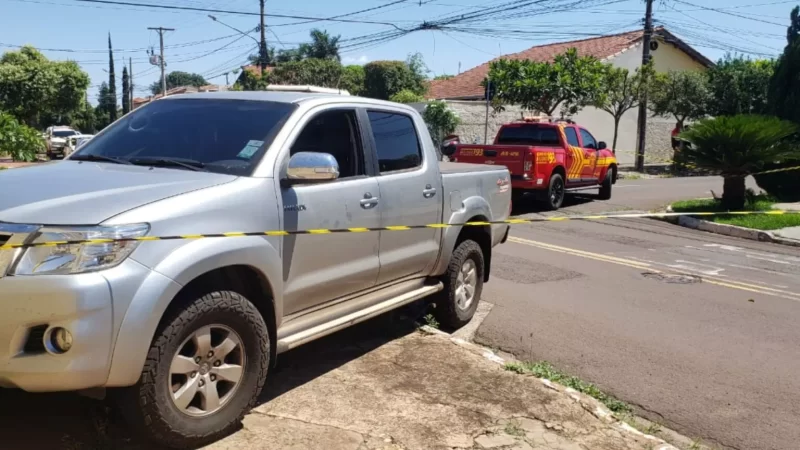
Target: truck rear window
{"x":532,"y":135}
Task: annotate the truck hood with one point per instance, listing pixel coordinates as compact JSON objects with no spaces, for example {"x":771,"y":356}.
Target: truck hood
{"x":88,"y":193}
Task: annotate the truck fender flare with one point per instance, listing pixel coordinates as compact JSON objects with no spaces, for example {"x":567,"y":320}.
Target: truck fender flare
{"x":166,"y":280}
{"x":471,"y":207}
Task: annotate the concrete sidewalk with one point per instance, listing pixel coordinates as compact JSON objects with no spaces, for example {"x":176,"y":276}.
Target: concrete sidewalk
{"x":376,"y":386}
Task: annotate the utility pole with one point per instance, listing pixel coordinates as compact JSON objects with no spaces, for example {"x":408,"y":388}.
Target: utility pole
{"x":648,"y":32}
{"x":163,"y":64}
{"x":263,"y":46}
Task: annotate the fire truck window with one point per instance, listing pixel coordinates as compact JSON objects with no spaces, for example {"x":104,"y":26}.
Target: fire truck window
{"x":532,"y":135}
{"x":572,"y":137}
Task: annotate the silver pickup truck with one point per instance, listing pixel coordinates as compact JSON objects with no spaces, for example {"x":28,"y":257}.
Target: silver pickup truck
{"x":163,"y":260}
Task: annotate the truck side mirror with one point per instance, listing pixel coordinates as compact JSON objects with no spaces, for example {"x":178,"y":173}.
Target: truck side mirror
{"x":312,"y":167}
{"x":602,"y":145}
{"x":449,"y":149}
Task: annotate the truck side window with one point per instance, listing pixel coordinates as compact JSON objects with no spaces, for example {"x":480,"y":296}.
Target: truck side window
{"x":572,"y":137}
{"x":396,"y":141}
{"x":334,"y":132}
{"x":588,"y":140}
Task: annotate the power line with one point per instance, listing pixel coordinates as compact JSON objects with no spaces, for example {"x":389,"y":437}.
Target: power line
{"x":721,"y":11}
{"x":241,"y":13}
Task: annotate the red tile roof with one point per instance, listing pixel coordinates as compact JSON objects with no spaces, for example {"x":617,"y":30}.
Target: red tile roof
{"x":468,"y":84}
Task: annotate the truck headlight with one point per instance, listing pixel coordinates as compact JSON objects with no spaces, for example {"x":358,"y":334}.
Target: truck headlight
{"x":62,"y":259}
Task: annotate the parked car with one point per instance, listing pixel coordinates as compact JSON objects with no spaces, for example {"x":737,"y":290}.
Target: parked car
{"x":56,"y":141}
{"x":76,"y":141}
{"x":547,"y":158}
{"x":183,"y":330}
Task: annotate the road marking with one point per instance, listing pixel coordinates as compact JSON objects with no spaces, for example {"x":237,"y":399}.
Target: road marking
{"x":640,"y":265}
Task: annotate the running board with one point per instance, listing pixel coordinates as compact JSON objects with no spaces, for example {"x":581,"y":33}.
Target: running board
{"x":306,"y":336}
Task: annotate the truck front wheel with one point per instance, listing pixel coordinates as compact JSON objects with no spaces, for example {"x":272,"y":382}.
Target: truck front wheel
{"x":463,"y":284}
{"x":204,"y":371}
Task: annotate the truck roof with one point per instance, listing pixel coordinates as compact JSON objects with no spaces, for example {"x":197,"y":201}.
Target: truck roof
{"x":282,"y":97}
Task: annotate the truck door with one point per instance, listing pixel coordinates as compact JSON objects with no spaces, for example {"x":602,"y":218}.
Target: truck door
{"x":318,"y":268}
{"x":574,"y":156}
{"x":589,"y":155}
{"x":410,"y":190}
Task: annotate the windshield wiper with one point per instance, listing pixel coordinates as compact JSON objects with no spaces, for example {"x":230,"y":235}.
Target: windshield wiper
{"x":191,"y":164}
{"x":102,"y":158}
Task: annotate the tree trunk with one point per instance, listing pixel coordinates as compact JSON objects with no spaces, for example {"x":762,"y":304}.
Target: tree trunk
{"x":733,"y":193}
{"x":616,"y":132}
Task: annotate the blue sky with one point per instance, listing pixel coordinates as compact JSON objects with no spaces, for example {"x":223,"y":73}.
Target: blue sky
{"x":757,"y":27}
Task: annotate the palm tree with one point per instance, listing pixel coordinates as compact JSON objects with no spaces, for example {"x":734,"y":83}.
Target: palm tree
{"x":322,"y":46}
{"x":737,"y":146}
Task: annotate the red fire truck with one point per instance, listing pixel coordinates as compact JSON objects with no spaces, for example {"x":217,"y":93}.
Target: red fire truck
{"x":546,"y":157}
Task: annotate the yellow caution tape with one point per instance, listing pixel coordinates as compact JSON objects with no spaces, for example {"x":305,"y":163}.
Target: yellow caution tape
{"x":513,"y":221}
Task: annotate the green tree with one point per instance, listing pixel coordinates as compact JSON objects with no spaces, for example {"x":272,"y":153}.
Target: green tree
{"x":784,"y":88}
{"x":112,"y":84}
{"x":353,"y":79}
{"x":383,"y":79}
{"x":441,"y":121}
{"x":21,"y":142}
{"x":85,"y":119}
{"x":682,"y":94}
{"x":322,"y":46}
{"x":406,"y":96}
{"x":251,"y":81}
{"x":739,"y":86}
{"x":737,"y":146}
{"x":443,"y":77}
{"x":313,"y":71}
{"x":37,"y":91}
{"x":570,"y":82}
{"x":620,"y":92}
{"x":126,"y":91}
{"x":104,"y":100}
{"x":179,"y":79}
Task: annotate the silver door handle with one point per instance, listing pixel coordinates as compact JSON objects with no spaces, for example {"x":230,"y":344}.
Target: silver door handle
{"x":368,"y":203}
{"x":429,"y":192}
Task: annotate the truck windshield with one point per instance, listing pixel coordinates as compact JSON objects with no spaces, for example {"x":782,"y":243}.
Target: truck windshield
{"x":532,"y":135}
{"x":64,"y":133}
{"x":220,"y":135}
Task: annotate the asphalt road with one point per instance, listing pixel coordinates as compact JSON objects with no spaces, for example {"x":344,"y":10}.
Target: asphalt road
{"x":698,"y":331}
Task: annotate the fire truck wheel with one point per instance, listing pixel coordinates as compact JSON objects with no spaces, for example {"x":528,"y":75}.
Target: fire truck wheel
{"x":555,"y":192}
{"x":605,"y":188}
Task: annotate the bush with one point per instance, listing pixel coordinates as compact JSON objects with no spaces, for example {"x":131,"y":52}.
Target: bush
{"x":21,"y":142}
{"x":316,"y":72}
{"x":784,"y":186}
{"x":406,"y":96}
{"x":353,"y":79}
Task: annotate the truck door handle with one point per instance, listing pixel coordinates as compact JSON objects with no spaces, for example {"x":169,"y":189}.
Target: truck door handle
{"x":429,"y":191}
{"x":369,"y":201}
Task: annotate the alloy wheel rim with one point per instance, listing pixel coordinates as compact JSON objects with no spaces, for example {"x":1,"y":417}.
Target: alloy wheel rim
{"x":558,"y":192}
{"x":466,"y":284}
{"x":206,"y":371}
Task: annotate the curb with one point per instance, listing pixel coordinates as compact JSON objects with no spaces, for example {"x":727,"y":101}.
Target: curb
{"x":589,"y":404}
{"x":730,"y":230}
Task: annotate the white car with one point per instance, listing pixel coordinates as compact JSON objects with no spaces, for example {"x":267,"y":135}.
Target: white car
{"x":75,"y":142}
{"x":56,"y":141}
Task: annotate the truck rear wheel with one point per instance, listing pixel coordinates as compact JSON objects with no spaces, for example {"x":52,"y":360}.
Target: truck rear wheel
{"x":463,"y":284}
{"x":605,"y":188}
{"x":204,"y":371}
{"x":555,"y":192}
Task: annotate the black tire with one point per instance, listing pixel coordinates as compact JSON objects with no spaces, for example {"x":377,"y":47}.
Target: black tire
{"x":605,"y":188}
{"x":556,"y":192}
{"x":448,"y":312}
{"x":147,"y":405}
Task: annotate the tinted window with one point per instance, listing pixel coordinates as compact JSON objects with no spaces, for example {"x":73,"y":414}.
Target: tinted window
{"x":572,"y":137}
{"x":334,"y":132}
{"x":228,"y":136}
{"x":64,"y":133}
{"x":533,"y":135}
{"x":396,"y":141}
{"x":588,"y":140}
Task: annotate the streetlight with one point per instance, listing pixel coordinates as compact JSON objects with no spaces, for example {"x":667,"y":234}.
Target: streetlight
{"x":260,"y":47}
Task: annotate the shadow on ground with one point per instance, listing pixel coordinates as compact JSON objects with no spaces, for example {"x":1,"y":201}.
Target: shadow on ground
{"x":529,"y":204}
{"x":73,"y":422}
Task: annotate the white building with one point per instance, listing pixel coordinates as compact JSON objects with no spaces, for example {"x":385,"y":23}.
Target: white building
{"x":465,"y":94}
